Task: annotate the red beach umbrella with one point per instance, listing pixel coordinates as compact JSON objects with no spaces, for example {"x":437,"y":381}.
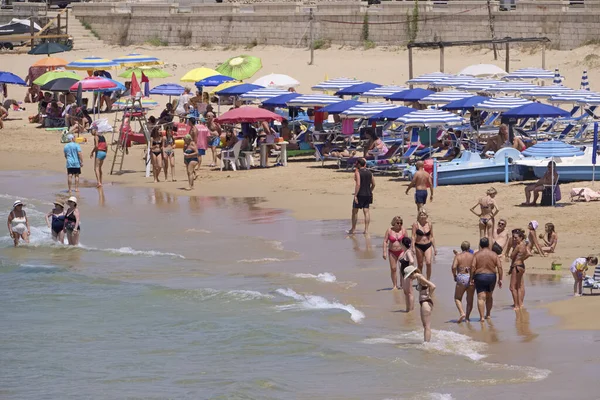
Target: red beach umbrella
{"x":94,"y":83}
{"x":248,"y":114}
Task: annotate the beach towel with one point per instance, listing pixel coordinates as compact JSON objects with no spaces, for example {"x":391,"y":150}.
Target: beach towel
{"x":586,"y":193}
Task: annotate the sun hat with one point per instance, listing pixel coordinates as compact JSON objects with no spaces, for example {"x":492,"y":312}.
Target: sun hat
{"x":17,"y":203}
{"x":73,"y":199}
{"x":409,"y":270}
{"x":56,"y":203}
{"x":535,"y":224}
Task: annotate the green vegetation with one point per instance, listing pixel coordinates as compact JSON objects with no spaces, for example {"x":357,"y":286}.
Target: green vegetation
{"x":365,"y":29}
{"x":87,"y":26}
{"x":252,"y":44}
{"x":591,"y":42}
{"x":592,"y":61}
{"x":322,"y":44}
{"x":412,"y":23}
{"x":156,"y":41}
{"x":368,"y":44}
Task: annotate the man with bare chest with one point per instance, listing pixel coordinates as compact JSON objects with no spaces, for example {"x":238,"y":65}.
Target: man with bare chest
{"x":501,"y":238}
{"x":485,"y":272}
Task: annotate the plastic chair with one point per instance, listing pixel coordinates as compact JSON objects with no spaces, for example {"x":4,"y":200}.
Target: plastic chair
{"x":231,"y":155}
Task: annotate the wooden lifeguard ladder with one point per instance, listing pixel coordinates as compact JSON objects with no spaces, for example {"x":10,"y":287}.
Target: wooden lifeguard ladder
{"x":133,"y":112}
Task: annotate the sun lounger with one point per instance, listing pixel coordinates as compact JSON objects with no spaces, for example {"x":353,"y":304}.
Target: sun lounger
{"x":584,"y":194}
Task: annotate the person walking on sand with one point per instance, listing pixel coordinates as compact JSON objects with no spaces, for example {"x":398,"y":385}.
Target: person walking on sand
{"x":18,"y":224}
{"x":407,"y":258}
{"x":169,"y":153}
{"x":74,"y":159}
{"x":55,"y":220}
{"x":501,"y":239}
{"x":215,"y":136}
{"x":489,"y":210}
{"x":486,"y":270}
{"x":190,"y":158}
{"x":421,"y":181}
{"x":461,"y":267}
{"x":517,"y":268}
{"x":550,"y":177}
{"x":156,"y":152}
{"x":578,"y":268}
{"x":550,"y":238}
{"x":423,"y":241}
{"x":72,"y":222}
{"x":392,"y":247}
{"x":364,"y":184}
{"x":100,"y":148}
{"x":425,"y":289}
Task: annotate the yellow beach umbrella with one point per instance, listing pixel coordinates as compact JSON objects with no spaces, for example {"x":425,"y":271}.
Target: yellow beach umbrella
{"x":225,"y":85}
{"x":198,"y":74}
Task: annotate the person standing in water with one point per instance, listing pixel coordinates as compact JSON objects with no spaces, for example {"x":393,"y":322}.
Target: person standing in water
{"x":486,"y":216}
{"x":517,"y":268}
{"x":364,"y":184}
{"x":18,"y":224}
{"x":100,"y":149}
{"x":190,"y":158}
{"x":392,"y":247}
{"x":425,"y":289}
{"x":461,"y":267}
{"x":74,"y":159}
{"x":486,"y":270}
{"x":72,"y":222}
{"x":421,"y":181}
{"x":169,"y":152}
{"x":55,"y":220}
{"x":407,"y":258}
{"x":423,"y":241}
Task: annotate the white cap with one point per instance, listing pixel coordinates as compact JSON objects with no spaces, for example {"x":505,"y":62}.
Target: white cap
{"x":409,"y":270}
{"x":17,"y":203}
{"x":73,"y":199}
{"x":70,"y":137}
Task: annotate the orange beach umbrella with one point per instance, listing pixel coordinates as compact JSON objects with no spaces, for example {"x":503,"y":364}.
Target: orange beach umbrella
{"x":50,"y":62}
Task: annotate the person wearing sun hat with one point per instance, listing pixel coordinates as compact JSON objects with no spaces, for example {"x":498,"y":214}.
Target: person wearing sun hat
{"x":74,"y":159}
{"x":72,"y":221}
{"x":425,"y":289}
{"x":533,"y":243}
{"x":55,"y":220}
{"x":18,"y":224}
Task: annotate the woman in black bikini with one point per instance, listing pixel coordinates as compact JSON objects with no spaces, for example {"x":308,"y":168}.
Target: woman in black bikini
{"x":407,"y":258}
{"x":425,"y":289}
{"x":517,"y":268}
{"x":423,"y":240}
{"x":488,"y":211}
{"x":156,"y":152}
{"x":190,"y":158}
{"x":72,"y":222}
{"x":169,"y":152}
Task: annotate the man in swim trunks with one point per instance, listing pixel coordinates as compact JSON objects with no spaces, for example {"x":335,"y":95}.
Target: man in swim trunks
{"x":501,"y":237}
{"x":74,"y":159}
{"x":460,"y":269}
{"x":421,"y":181}
{"x":486,"y":270}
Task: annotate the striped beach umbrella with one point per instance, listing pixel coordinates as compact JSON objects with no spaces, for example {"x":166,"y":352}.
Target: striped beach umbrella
{"x":466,"y":103}
{"x":573,"y":96}
{"x":366,"y":110}
{"x":453,"y":82}
{"x":444,"y":97}
{"x":410,"y":95}
{"x":137,"y":60}
{"x":546,"y":91}
{"x":530,"y":73}
{"x":263,"y":93}
{"x":313,"y":100}
{"x":168,"y":89}
{"x":479,"y":85}
{"x":280,"y":101}
{"x":355,"y":90}
{"x":557,"y":78}
{"x":383,"y":91}
{"x":592,"y":100}
{"x":426,"y":79}
{"x":430,"y":117}
{"x":504,"y":103}
{"x":238,"y":90}
{"x":92,"y":64}
{"x":336,"y":84}
{"x":585,"y":85}
{"x":511,"y":87}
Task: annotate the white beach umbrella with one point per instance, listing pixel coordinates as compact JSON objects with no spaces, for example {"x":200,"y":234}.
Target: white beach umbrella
{"x":337,"y":84}
{"x":530,"y":73}
{"x":445,"y":97}
{"x":313,"y":100}
{"x":592,"y":100}
{"x":482,"y":70}
{"x":479,"y":85}
{"x":383,"y":91}
{"x":430,"y":117}
{"x":426,"y":79}
{"x":511,"y":87}
{"x":279,"y":81}
{"x":573,"y":96}
{"x":366,"y":110}
{"x":453,"y":82}
{"x":504,"y":103}
{"x":546,"y":91}
{"x":262,"y":93}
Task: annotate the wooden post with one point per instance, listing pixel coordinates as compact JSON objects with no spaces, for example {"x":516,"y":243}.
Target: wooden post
{"x":31,"y":29}
{"x":58,"y":23}
{"x":66,"y":21}
{"x":507,"y":58}
{"x":441,"y":58}
{"x":544,"y":56}
{"x":410,"y":65}
{"x":312,"y":44}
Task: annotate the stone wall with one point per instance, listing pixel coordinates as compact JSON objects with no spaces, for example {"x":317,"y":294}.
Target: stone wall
{"x":287,"y":23}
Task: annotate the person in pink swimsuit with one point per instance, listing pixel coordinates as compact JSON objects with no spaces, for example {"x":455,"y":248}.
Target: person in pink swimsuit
{"x":392,"y":247}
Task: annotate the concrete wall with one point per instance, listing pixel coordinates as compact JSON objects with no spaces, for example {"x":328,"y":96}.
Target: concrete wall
{"x":286,"y":23}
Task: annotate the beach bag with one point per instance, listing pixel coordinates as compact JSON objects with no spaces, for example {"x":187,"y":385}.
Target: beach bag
{"x":102,"y":126}
{"x":63,"y":137}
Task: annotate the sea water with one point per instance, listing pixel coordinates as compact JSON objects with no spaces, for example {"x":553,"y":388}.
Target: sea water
{"x":212,"y":297}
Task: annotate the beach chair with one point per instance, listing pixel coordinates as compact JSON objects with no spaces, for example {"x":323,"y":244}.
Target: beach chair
{"x":581,"y":133}
{"x":592,"y":282}
{"x":565,"y":132}
{"x":232,"y":156}
{"x":551,"y":194}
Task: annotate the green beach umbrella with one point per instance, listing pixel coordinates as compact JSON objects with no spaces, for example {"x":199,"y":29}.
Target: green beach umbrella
{"x":49,"y":48}
{"x":240,"y":67}
{"x":56,"y":74}
{"x":150,"y":72}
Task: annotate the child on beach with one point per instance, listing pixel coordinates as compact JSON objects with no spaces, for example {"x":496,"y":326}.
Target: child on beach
{"x":550,"y":238}
{"x":533,"y":244}
{"x":578,"y":268}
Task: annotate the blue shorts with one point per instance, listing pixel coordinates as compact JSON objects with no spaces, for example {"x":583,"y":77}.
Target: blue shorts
{"x":421,"y":196}
{"x":215,"y":141}
{"x":100,"y":155}
{"x":201,"y":152}
{"x":485,"y":282}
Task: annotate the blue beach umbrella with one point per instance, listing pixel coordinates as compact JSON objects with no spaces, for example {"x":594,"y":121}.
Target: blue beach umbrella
{"x":10,"y":78}
{"x":213,"y":81}
{"x":430,"y":117}
{"x":336,"y":84}
{"x":263,"y":93}
{"x":546,"y":91}
{"x":383,"y":91}
{"x":410,"y":95}
{"x":501,"y":103}
{"x":444,"y":97}
{"x":552,"y":148}
{"x":313,"y":100}
{"x":357,"y":89}
{"x":454,"y":82}
{"x":391,"y":113}
{"x":340,"y":107}
{"x":168,"y":89}
{"x":365,"y":110}
{"x":530,"y":73}
{"x":280,"y":101}
{"x":536,"y":110}
{"x":466,"y":103}
{"x":238,"y":89}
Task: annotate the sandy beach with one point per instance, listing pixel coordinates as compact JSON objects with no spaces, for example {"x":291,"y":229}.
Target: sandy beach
{"x":315,"y":193}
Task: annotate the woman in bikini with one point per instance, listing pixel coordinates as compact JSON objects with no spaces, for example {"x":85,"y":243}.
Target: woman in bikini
{"x":550,"y":239}
{"x":423,"y":241}
{"x":392,"y":247}
{"x":156,"y":152}
{"x":72,"y":222}
{"x":461,"y":269}
{"x":407,"y":258}
{"x":190,"y":158}
{"x":517,"y":268}
{"x":55,"y":220}
{"x":18,"y":224}
{"x":488,"y":211}
{"x":99,"y":150}
{"x":425,"y":289}
{"x":169,"y":152}
{"x":533,"y":244}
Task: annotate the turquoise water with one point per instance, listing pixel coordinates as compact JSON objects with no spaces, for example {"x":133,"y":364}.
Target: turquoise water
{"x":187,"y":298}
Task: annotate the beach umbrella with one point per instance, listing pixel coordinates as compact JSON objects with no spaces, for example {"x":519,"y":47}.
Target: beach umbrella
{"x":10,"y":78}
{"x":197,"y":74}
{"x":94,"y":83}
{"x":357,"y":89}
{"x":225,"y":85}
{"x":49,"y":48}
{"x":339,"y":107}
{"x":240,"y":67}
{"x":146,"y":103}
{"x":50,"y":62}
{"x":536,"y":110}
{"x":430,"y":117}
{"x":573,"y":96}
{"x":213,"y":81}
{"x":383,"y":91}
{"x":552,"y":148}
{"x":238,"y":89}
{"x":444,"y":97}
{"x":594,"y":151}
{"x":410,"y":95}
{"x":482,"y":70}
{"x":592,"y":100}
{"x":429,"y":78}
{"x":511,"y":87}
{"x":585,"y":85}
{"x":262,"y":93}
{"x":391,"y":113}
{"x":168,"y":89}
{"x":248,"y":114}
{"x":365,"y":110}
{"x":56,"y":74}
{"x":118,"y":86}
{"x":92,"y":64}
{"x":466,"y":103}
{"x":60,"y":84}
{"x":336,"y":84}
{"x":313,"y":100}
{"x":136,"y":60}
{"x":149,"y":72}
{"x":557,"y":78}
{"x":504,"y":103}
{"x":453,"y":82}
{"x":530,"y":73}
{"x":280,"y":101}
{"x":479,"y":85}
{"x":279,"y":81}
{"x":546,"y":91}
